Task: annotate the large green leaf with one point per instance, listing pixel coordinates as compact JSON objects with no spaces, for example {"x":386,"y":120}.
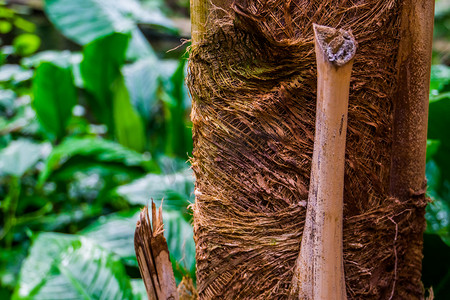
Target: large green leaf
{"x":432,"y":148}
{"x":116,"y":233}
{"x":141,"y":79}
{"x":439,"y":79}
{"x":55,"y":95}
{"x":86,"y":20}
{"x":95,"y":148}
{"x":20,"y":156}
{"x":69,"y":267}
{"x":100,"y":68}
{"x":83,"y":21}
{"x":129,"y":127}
{"x":176,"y":189}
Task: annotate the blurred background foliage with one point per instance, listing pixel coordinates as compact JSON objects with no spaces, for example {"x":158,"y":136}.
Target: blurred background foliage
{"x":94,"y":120}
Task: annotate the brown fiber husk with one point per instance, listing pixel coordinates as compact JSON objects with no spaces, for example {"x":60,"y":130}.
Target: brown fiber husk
{"x":253,"y":83}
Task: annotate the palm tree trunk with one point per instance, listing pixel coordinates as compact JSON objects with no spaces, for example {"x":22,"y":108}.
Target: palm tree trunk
{"x":253,"y":83}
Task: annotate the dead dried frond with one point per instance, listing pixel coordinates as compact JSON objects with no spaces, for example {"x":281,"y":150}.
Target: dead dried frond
{"x":153,"y":256}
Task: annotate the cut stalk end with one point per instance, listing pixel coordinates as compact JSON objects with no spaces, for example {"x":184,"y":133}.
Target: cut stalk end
{"x":338,"y":45}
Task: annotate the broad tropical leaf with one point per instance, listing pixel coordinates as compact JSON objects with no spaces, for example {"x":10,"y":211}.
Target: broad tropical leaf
{"x":432,"y":148}
{"x":100,"y":68}
{"x":129,"y":127}
{"x":141,"y":79}
{"x":84,"y":21}
{"x":19,"y":156}
{"x":64,"y":266}
{"x":55,"y":95}
{"x":95,"y":148}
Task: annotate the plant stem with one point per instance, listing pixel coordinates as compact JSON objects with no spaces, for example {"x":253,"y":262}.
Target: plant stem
{"x":199,"y":14}
{"x":319,"y":272}
{"x":411,"y":100}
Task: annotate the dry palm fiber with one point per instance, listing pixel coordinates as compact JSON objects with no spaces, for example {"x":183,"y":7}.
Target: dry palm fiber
{"x":253,"y":84}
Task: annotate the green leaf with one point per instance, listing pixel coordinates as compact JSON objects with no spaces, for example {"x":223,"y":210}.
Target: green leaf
{"x":55,"y":95}
{"x":84,"y":21}
{"x":432,"y":148}
{"x":129,"y":127}
{"x":115,"y":172}
{"x":95,"y":148}
{"x":176,"y":189}
{"x":141,"y":79}
{"x":100,"y":68}
{"x":440,"y":79}
{"x":20,"y":156}
{"x":26,"y":44}
{"x":69,"y":267}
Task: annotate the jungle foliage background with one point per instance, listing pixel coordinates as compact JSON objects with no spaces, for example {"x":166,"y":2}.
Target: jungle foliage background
{"x":94,"y":120}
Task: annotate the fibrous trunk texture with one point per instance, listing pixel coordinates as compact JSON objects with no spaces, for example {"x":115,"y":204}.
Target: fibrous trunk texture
{"x":253,"y":83}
